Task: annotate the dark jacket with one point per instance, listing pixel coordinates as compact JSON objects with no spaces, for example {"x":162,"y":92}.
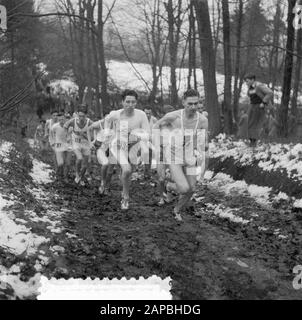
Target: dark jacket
{"x":265,"y":93}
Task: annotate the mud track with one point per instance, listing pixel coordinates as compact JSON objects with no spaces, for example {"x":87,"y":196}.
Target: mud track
{"x":207,"y":258}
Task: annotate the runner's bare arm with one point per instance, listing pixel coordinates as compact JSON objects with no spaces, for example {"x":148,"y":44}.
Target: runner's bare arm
{"x":46,"y":132}
{"x":52,"y":134}
{"x":169,"y":118}
{"x":205,"y":125}
{"x":145,"y":125}
{"x":68,"y":124}
{"x":109,"y":119}
{"x":36,"y":134}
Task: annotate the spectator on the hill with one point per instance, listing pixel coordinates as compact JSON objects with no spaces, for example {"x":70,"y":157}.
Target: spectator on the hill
{"x":260,"y":97}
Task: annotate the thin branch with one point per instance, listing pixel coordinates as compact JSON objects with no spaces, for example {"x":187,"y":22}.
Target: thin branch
{"x":39,"y":15}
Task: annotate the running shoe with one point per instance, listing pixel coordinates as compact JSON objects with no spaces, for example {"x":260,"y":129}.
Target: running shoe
{"x":125,"y":204}
{"x":178,"y":217}
{"x":77,"y":179}
{"x":168,"y":197}
{"x":198,"y":214}
{"x":107,"y":192}
{"x":161,"y":202}
{"x":101,"y":189}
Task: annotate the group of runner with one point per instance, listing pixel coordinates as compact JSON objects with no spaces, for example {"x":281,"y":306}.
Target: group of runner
{"x":176,"y":145}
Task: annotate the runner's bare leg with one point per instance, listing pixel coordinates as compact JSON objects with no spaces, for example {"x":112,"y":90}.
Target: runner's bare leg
{"x":183,"y":187}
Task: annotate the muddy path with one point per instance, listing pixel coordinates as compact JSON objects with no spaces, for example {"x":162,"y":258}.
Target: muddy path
{"x":251,"y":256}
{"x":207,"y":258}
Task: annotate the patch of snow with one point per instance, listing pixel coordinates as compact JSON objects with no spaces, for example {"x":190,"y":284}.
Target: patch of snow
{"x":22,"y":290}
{"x":31,"y":143}
{"x":281,"y":196}
{"x":298,"y":204}
{"x":228,"y":185}
{"x":16,"y":238}
{"x":267,"y":156}
{"x":5,"y":149}
{"x":226,"y":213}
{"x":41,"y":172}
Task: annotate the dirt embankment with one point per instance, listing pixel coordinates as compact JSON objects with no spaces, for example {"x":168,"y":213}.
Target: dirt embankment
{"x":253,"y":174}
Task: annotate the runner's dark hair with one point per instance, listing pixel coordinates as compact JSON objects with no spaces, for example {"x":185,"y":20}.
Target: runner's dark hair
{"x":128,"y":92}
{"x":83,"y":108}
{"x":249,"y":76}
{"x":191,"y":93}
{"x":54,"y":111}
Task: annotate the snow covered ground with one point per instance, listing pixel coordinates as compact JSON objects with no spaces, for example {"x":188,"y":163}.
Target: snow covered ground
{"x":41,"y":172}
{"x":139,"y":77}
{"x":264,"y":196}
{"x":16,"y":235}
{"x":268,"y":156}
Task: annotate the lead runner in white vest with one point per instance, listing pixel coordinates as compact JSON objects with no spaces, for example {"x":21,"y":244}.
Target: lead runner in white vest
{"x":186,"y":148}
{"x":130,"y":127}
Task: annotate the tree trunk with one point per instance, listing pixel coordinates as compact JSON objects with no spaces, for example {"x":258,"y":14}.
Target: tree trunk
{"x":88,"y":54}
{"x":194,"y":54}
{"x":297,"y":74}
{"x":237,"y":63}
{"x":104,"y":72}
{"x":96,"y":61}
{"x":190,"y":60}
{"x":216,"y":29}
{"x":208,"y":64}
{"x":227,"y":68}
{"x":81,"y":51}
{"x":174,"y":24}
{"x":276,"y":39}
{"x":288,"y":67}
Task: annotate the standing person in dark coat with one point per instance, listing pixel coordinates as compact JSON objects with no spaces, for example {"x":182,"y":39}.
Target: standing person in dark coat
{"x":260,"y":96}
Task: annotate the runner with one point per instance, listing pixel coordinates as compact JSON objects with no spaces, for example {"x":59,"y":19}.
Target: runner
{"x":148,"y":159}
{"x":104,"y":156}
{"x":181,"y":154}
{"x":81,"y":142}
{"x":61,"y":147}
{"x":131,"y":128}
{"x":49,"y":124}
{"x":161,"y":165}
{"x":40,"y":141}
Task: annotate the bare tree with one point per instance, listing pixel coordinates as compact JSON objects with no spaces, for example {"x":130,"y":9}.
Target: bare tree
{"x":273,"y":58}
{"x":175,"y":19}
{"x":216,"y":10}
{"x":192,"y":48}
{"x":237,"y":61}
{"x":208,"y":64}
{"x":153,"y":42}
{"x":288,"y":67}
{"x":297,"y":74}
{"x":102,"y":60}
{"x":227,"y":68}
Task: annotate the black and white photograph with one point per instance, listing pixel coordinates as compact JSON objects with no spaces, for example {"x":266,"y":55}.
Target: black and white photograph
{"x":152,"y":140}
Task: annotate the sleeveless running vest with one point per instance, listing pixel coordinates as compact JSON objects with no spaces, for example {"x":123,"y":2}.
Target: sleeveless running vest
{"x":80,"y":135}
